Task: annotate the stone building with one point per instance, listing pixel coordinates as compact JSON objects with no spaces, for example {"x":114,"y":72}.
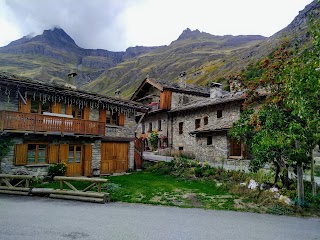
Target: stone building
{"x":48,"y":123}
{"x":194,"y":119}
{"x":161,"y":97}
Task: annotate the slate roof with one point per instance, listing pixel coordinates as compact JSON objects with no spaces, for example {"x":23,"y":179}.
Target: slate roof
{"x":12,"y":81}
{"x":225,"y":98}
{"x":175,"y":86}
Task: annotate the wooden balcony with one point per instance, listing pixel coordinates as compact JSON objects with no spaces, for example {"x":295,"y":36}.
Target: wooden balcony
{"x":37,"y":123}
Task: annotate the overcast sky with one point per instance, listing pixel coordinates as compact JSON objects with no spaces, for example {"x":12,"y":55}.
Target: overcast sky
{"x":117,"y":24}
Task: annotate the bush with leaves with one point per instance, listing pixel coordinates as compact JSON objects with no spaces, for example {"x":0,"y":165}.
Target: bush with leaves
{"x":153,"y":140}
{"x":57,"y":169}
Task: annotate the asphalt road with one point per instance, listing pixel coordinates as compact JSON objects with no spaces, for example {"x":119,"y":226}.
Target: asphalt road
{"x":34,"y":218}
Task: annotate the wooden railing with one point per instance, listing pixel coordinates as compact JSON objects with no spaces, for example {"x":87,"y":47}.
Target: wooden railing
{"x":19,"y":121}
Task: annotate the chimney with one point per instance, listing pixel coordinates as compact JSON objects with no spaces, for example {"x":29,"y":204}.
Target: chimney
{"x":215,"y":90}
{"x":71,"y":82}
{"x":182,"y":79}
{"x":117,"y":93}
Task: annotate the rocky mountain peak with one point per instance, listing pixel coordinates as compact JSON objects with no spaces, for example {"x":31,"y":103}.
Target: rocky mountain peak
{"x":188,"y":33}
{"x":56,"y":37}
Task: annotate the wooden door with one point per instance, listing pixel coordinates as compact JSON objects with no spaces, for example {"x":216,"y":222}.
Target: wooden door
{"x":107,"y":158}
{"x":235,"y":148}
{"x":121,"y":157}
{"x":114,"y":157}
{"x":74,"y":160}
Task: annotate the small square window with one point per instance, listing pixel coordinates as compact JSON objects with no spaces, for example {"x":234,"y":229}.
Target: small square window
{"x":180,"y":148}
{"x":219,"y":113}
{"x":209,"y":140}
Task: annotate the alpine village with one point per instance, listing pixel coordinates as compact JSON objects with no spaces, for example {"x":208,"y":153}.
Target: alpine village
{"x":236,"y":114}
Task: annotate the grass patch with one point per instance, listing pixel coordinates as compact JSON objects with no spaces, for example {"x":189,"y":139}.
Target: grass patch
{"x":152,"y":188}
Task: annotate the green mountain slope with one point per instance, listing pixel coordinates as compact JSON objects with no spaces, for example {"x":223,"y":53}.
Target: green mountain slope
{"x":204,"y":57}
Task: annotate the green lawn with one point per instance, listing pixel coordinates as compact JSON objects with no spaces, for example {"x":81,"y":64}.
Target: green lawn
{"x":151,"y":188}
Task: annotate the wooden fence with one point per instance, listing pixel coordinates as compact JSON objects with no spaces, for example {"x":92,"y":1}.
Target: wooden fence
{"x":71,"y":194}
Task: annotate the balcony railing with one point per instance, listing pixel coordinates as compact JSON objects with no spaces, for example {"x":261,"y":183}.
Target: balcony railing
{"x":31,"y":122}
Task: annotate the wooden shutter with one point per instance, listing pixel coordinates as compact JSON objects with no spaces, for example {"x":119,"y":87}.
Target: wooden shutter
{"x":63,"y":153}
{"x":86,"y":113}
{"x":165,"y":99}
{"x":25,"y":108}
{"x":69,"y":109}
{"x":102,"y":115}
{"x":20,"y":154}
{"x":53,"y":153}
{"x":56,"y":107}
{"x":121,"y":119}
{"x":87,"y":160}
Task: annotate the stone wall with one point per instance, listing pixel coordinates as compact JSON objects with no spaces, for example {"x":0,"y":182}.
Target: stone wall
{"x":11,"y":105}
{"x":197,"y":144}
{"x":127,"y":131}
{"x":7,"y":163}
{"x":179,"y":99}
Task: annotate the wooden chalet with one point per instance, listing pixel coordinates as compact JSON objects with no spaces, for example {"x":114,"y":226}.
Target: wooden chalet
{"x":50,"y":123}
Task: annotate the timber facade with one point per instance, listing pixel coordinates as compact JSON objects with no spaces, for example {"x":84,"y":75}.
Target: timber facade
{"x":47,"y":123}
{"x":190,"y":120}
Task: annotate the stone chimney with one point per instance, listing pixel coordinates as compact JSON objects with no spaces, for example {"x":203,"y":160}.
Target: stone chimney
{"x":117,"y":93}
{"x":182,"y":80}
{"x":71,"y":81}
{"x":215,"y":90}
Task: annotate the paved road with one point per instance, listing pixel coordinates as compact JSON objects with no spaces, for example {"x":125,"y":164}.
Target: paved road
{"x":34,"y":218}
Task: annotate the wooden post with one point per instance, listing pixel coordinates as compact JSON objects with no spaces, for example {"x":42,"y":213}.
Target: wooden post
{"x":61,"y":185}
{"x":2,"y":120}
{"x":300,"y":184}
{"x":313,"y":183}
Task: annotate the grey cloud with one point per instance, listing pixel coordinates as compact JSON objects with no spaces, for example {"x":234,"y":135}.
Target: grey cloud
{"x":91,"y":23}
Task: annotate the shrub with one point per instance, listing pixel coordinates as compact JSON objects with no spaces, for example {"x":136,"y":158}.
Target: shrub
{"x":57,"y":169}
{"x":153,"y":140}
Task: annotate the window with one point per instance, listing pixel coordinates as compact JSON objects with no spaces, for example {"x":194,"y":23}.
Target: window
{"x":77,"y":113}
{"x":219,"y":113}
{"x":180,"y":127}
{"x":143,"y":128}
{"x":112,"y":118}
{"x":74,"y":155}
{"x":180,"y":148}
{"x":150,"y":127}
{"x":197,"y":123}
{"x":205,"y":120}
{"x":36,"y":153}
{"x":159,"y":125}
{"x":209,"y":140}
{"x":35,"y":107}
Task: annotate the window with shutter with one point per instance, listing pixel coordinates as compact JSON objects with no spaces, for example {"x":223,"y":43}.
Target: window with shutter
{"x":36,"y":153}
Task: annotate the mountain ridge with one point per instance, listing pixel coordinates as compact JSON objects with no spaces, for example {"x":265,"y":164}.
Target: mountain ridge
{"x":204,"y":57}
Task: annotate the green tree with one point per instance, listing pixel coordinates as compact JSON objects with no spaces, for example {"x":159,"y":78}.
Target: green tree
{"x":285,"y":128}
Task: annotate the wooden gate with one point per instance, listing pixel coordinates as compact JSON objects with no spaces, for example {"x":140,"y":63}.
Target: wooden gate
{"x":235,"y":148}
{"x":114,"y":157}
{"x":138,"y":153}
